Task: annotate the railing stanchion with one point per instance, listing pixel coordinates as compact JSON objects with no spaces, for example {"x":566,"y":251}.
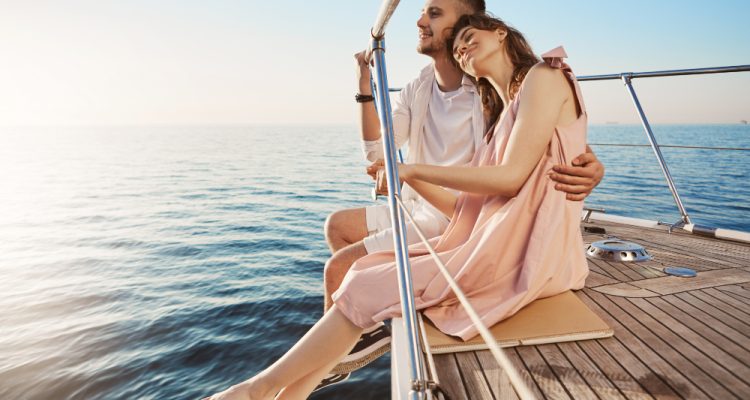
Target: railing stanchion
{"x":406,"y":289}
{"x":626,"y":78}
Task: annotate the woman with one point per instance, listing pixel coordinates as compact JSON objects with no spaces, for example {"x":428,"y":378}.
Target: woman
{"x":512,"y":237}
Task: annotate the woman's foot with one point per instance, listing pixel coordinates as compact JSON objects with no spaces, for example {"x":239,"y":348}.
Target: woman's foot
{"x":251,"y":389}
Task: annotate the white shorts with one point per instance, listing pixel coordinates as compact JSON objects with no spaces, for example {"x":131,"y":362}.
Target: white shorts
{"x":431,"y":221}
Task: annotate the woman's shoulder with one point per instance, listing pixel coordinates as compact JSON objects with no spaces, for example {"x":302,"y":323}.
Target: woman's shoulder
{"x":543,"y":73}
{"x":545,"y":84}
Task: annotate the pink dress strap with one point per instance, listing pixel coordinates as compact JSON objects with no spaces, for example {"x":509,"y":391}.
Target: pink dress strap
{"x":554,"y":58}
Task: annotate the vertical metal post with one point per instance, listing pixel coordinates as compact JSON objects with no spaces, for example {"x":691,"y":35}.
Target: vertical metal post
{"x":406,"y":289}
{"x":655,"y":146}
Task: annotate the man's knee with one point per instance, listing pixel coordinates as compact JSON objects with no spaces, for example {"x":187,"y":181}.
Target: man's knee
{"x":346,"y":225}
{"x":333,"y":224}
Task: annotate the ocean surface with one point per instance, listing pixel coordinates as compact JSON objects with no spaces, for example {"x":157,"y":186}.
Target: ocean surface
{"x":169,"y":263}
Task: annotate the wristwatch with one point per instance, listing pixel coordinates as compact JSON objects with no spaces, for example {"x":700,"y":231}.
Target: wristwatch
{"x":363,"y":98}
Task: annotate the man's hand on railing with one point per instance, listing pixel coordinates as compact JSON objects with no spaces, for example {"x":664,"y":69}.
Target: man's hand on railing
{"x":363,"y":59}
{"x":578,"y":180}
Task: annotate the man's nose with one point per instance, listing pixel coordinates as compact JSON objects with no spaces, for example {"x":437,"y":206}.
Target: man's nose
{"x":422,"y":21}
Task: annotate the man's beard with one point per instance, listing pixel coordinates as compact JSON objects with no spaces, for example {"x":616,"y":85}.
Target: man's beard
{"x":431,"y":48}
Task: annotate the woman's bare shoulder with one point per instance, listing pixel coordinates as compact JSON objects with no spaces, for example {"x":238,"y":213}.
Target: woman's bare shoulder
{"x":541,"y":74}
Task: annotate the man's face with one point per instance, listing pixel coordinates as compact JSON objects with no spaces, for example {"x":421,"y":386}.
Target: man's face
{"x":435,"y":24}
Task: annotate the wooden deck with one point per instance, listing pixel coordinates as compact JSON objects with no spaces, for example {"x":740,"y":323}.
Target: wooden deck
{"x":674,"y":337}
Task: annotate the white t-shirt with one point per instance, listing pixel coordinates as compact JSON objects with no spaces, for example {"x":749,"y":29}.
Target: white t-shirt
{"x":447,"y":128}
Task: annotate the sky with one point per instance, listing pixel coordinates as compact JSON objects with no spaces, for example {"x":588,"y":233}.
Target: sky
{"x":186,"y":62}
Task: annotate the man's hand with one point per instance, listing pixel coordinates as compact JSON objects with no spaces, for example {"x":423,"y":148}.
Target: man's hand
{"x":372,"y":170}
{"x":363,"y":59}
{"x":578,"y":180}
{"x":376,"y":170}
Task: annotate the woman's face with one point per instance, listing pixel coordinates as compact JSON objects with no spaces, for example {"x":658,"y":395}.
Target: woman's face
{"x":473,"y":48}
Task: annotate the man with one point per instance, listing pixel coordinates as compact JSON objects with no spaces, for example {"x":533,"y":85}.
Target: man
{"x":439,"y":115}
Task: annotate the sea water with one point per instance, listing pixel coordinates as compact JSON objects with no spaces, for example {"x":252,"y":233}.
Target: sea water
{"x":172,"y":262}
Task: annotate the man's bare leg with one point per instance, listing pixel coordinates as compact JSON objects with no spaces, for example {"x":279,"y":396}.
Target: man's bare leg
{"x":345,"y":227}
{"x":337,"y":266}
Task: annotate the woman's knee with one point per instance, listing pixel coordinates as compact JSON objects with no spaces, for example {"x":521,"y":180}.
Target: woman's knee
{"x":334,"y":270}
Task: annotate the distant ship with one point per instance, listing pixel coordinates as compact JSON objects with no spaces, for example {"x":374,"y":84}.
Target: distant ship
{"x":743,"y":122}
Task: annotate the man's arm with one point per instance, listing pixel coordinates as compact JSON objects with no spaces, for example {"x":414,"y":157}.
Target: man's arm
{"x":578,"y":180}
{"x":369,"y":122}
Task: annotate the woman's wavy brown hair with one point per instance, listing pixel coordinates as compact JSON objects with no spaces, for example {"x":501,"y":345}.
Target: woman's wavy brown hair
{"x":521,"y":56}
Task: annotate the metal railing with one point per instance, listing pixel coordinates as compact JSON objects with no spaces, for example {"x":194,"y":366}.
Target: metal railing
{"x":406,"y":289}
{"x":420,"y":388}
{"x":522,"y":390}
{"x":627,"y":78}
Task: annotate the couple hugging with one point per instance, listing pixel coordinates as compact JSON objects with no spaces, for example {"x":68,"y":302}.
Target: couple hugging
{"x":496,"y":173}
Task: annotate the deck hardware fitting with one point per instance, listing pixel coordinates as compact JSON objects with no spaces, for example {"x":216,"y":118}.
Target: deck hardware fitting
{"x":682,"y":272}
{"x":617,"y":250}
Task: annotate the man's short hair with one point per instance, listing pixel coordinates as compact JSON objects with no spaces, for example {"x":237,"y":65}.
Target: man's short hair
{"x":472,"y":6}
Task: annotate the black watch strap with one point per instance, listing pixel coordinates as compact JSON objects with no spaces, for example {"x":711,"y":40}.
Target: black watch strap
{"x":363,"y":98}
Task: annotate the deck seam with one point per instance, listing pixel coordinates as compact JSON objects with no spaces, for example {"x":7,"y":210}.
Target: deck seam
{"x":645,"y":344}
{"x":646,"y":365}
{"x":672,"y":248}
{"x":627,"y":271}
{"x":669,"y":299}
{"x":531,"y":373}
{"x":689,"y":293}
{"x":650,"y":300}
{"x":614,"y":272}
{"x":634,"y":379}
{"x":562,"y":383}
{"x":671,"y":346}
{"x":484,"y":374}
{"x":718,"y":363}
{"x":583,"y":378}
{"x":737,"y":296}
{"x":724,"y":301}
{"x":600,"y":270}
{"x":461,"y":375}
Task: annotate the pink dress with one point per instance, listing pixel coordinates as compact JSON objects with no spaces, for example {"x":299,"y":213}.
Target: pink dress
{"x":503,"y":252}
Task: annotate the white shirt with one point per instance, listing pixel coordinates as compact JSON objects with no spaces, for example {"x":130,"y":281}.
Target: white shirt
{"x":410,"y":115}
{"x":447,"y":129}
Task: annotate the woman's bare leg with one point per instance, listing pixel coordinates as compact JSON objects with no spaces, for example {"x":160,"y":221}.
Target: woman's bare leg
{"x":327,"y":342}
{"x":303,"y":387}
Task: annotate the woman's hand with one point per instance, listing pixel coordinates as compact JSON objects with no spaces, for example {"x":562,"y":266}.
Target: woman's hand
{"x":578,"y":180}
{"x":376,"y":170}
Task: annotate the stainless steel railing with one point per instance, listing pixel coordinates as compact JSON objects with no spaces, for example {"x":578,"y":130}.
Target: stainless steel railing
{"x":384,"y":15}
{"x":420,"y":387}
{"x":627,"y":78}
{"x":406,"y":289}
{"x":523,"y":392}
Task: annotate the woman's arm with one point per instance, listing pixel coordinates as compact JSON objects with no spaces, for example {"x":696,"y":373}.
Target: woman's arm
{"x":547,"y":102}
{"x":440,"y":198}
